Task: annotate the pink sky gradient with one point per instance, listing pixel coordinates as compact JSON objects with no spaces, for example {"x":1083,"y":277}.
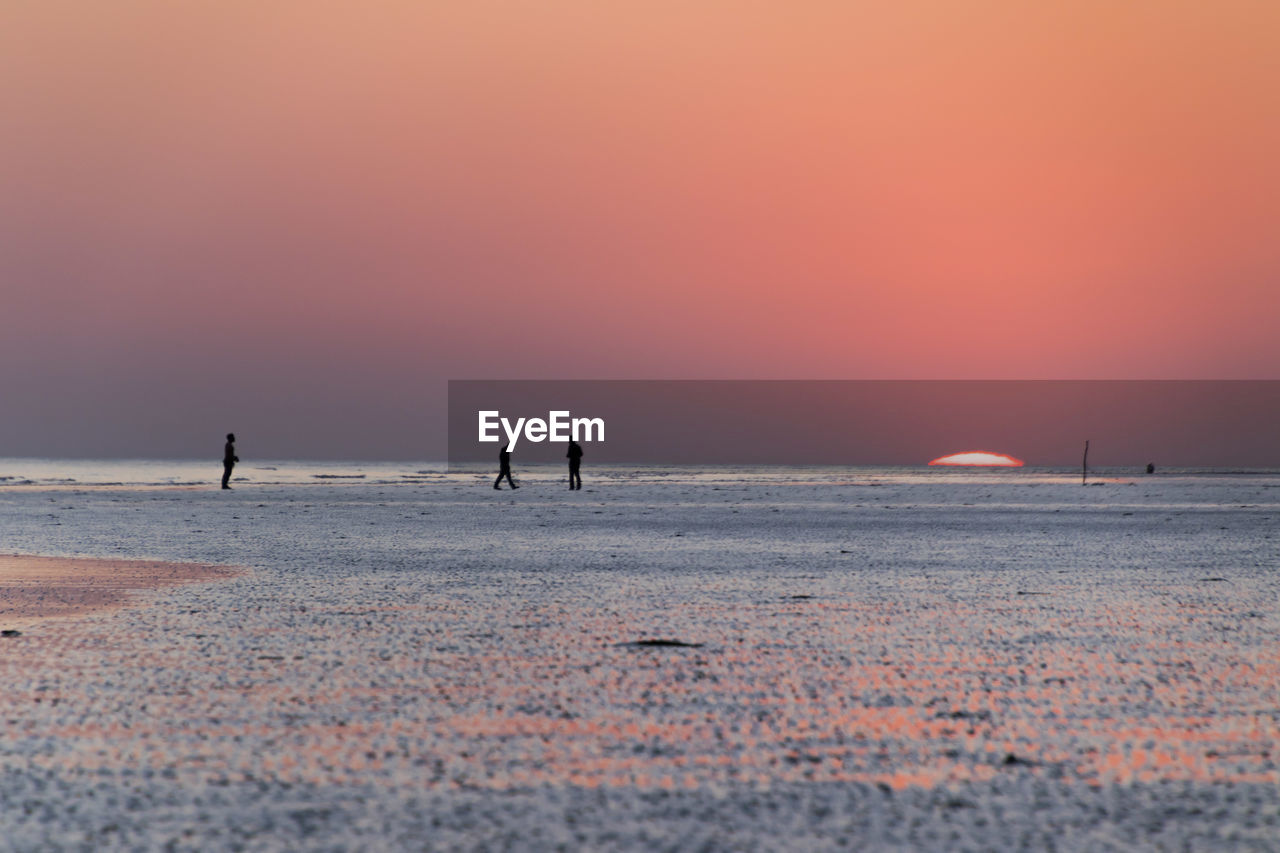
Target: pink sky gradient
{"x":298,"y":219}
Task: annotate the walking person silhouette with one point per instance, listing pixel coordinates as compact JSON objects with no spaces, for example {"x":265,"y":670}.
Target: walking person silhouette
{"x":229,"y":459}
{"x":504,"y":467}
{"x":575,"y":464}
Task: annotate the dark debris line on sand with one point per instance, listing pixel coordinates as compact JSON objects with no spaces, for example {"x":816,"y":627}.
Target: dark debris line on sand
{"x":667,"y":643}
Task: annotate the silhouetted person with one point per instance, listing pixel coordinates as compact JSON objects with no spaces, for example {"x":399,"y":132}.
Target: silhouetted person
{"x":575,"y":463}
{"x":504,"y":468}
{"x":229,"y":459}
{"x":1151,"y":467}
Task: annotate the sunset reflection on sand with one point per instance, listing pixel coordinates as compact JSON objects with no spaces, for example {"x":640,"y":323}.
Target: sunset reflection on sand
{"x":816,"y":690}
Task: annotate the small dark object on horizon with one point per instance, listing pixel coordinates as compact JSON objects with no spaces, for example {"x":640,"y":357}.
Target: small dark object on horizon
{"x":10,"y":632}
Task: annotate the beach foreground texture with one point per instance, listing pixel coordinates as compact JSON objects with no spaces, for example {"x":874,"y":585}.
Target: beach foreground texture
{"x":856,"y":659}
{"x":33,"y":588}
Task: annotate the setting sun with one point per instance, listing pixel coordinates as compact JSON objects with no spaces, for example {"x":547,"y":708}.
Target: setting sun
{"x":979,"y":457}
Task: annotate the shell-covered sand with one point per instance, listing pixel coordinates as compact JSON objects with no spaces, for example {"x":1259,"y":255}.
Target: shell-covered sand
{"x":926,"y":665}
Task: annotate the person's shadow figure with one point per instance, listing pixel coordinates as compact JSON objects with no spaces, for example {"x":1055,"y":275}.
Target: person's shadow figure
{"x":575,"y":464}
{"x":504,"y":468}
{"x":229,"y":459}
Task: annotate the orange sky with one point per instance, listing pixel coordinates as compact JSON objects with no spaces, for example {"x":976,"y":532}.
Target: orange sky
{"x":240,"y":208}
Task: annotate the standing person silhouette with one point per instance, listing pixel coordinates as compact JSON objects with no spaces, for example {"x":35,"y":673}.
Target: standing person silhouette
{"x":575,"y":464}
{"x":504,"y":467}
{"x":229,"y":459}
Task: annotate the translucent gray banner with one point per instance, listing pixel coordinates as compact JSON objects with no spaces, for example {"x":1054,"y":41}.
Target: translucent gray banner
{"x":696,"y":422}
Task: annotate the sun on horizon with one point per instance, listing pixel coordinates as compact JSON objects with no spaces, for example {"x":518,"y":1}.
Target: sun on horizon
{"x":979,"y":457}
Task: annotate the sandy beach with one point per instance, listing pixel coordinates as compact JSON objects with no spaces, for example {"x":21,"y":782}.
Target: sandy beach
{"x":35,"y":588}
{"x":693,"y":661}
{"x":921,"y":361}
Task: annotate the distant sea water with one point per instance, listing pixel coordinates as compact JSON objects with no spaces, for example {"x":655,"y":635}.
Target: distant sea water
{"x":204,"y":472}
{"x":70,"y":473}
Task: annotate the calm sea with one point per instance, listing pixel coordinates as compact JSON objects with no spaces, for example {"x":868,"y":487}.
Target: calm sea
{"x":16,"y":472}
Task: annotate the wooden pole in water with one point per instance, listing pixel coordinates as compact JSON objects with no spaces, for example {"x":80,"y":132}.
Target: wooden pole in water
{"x":1084,"y":466}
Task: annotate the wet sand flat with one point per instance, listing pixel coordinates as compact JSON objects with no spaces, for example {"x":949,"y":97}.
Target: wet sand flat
{"x":727,"y":665}
{"x":34,"y":587}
